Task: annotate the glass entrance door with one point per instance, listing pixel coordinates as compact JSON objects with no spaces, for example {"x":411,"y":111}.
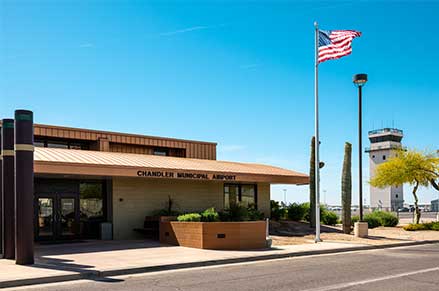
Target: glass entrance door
{"x":68,"y":217}
{"x":57,"y":216}
{"x":45,"y":219}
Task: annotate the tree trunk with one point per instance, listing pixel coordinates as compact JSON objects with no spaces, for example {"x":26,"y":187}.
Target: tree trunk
{"x":312,"y":185}
{"x":417,"y":212}
{"x":346,"y":188}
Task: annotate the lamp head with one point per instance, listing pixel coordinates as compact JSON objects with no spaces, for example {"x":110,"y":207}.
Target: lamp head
{"x":360,"y":80}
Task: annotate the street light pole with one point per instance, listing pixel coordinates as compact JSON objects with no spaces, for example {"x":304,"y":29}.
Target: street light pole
{"x":285,"y":196}
{"x":359,"y":81}
{"x":360,"y":148}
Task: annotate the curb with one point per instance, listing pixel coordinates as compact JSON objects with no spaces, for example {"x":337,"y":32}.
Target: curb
{"x":97,"y":275}
{"x":150,"y":269}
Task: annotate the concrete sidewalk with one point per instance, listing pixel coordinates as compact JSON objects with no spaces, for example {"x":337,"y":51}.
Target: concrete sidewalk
{"x":97,"y":259}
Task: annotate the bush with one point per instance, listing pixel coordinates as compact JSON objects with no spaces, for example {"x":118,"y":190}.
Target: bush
{"x":307,"y":207}
{"x":189,"y":217}
{"x":235,"y":212}
{"x":354,"y":219}
{"x":296,"y":212}
{"x":372,"y":220}
{"x":378,"y":218}
{"x":381,"y":218}
{"x":277,"y":211}
{"x":209,"y":215}
{"x":254,"y":214}
{"x":329,"y":218}
{"x":387,"y":218}
{"x":422,"y":226}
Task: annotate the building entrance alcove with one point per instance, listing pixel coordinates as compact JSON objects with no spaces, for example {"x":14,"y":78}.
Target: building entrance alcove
{"x":57,"y":216}
{"x":69,"y":209}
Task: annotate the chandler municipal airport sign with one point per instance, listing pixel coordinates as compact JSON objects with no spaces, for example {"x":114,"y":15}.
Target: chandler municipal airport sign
{"x":181,"y":175}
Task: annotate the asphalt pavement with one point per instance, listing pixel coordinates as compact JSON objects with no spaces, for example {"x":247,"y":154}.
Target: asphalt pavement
{"x":405,"y":268}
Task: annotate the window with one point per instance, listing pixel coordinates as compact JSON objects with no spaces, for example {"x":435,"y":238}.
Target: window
{"x":231,"y":195}
{"x":161,"y":152}
{"x":91,"y":200}
{"x":58,"y":145}
{"x":246,"y":194}
{"x":384,"y":157}
{"x":396,"y":195}
{"x":61,"y":144}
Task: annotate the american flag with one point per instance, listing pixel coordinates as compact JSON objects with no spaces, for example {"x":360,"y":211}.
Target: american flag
{"x":334,"y":44}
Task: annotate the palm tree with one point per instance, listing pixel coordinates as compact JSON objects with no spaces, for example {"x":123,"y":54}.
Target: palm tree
{"x":346,"y":188}
{"x":412,"y":167}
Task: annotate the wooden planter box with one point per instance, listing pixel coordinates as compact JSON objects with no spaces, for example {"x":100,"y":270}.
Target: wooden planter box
{"x":215,"y":235}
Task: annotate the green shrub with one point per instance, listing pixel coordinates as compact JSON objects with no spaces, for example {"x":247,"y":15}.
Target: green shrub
{"x":329,"y":218}
{"x":296,"y":212}
{"x":307,"y":207}
{"x":277,"y":211}
{"x":415,"y":227}
{"x":387,"y":218}
{"x":378,"y":218}
{"x":209,"y":215}
{"x":422,"y":226}
{"x":254,"y":214}
{"x":381,"y":218}
{"x":435,"y":226}
{"x":189,"y":217}
{"x":372,"y":220}
{"x":354,"y":219}
{"x":235,"y":212}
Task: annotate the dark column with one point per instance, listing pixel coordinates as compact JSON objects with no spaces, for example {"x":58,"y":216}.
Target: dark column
{"x":8,"y":188}
{"x":24,"y":186}
{"x":1,"y":194}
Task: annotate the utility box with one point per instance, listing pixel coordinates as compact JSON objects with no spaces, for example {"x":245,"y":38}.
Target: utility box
{"x":106,"y":231}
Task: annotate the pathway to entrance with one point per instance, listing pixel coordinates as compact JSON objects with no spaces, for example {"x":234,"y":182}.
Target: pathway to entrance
{"x":91,"y":259}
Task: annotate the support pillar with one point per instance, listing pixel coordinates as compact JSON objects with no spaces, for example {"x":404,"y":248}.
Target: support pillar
{"x":24,"y":186}
{"x":7,"y":136}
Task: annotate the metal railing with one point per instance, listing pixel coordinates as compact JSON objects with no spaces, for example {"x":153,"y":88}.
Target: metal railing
{"x":388,"y":147}
{"x":386,"y":130}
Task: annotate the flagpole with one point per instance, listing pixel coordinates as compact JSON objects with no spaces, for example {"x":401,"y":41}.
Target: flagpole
{"x":317,"y":138}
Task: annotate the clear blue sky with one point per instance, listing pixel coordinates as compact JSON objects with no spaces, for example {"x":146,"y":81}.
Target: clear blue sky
{"x":237,"y":73}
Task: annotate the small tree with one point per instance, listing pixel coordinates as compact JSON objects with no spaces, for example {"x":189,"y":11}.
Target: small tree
{"x":346,"y":188}
{"x":413,"y":167}
{"x":312,"y":184}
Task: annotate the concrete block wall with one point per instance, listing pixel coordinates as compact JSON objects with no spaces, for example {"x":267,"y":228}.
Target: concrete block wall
{"x":134,"y":198}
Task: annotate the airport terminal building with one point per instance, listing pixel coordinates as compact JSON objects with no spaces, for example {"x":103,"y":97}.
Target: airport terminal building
{"x":84,"y":178}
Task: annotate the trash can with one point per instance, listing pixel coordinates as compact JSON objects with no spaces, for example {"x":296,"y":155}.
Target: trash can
{"x":106,"y":231}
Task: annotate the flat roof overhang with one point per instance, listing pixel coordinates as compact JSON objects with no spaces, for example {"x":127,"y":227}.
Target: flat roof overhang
{"x":95,"y":163}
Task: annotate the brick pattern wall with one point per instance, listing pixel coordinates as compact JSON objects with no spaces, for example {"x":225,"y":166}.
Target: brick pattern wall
{"x":135,"y":198}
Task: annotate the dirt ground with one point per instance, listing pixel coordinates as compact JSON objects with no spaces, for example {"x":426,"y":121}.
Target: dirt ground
{"x":292,"y":233}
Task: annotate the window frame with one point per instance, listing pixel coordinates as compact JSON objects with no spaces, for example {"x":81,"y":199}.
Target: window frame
{"x":159,"y":151}
{"x":239,"y":186}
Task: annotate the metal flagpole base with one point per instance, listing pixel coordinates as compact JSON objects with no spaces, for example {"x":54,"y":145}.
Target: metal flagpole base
{"x":317,"y":240}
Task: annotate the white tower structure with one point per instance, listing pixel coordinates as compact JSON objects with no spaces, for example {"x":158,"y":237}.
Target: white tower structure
{"x":383,"y":142}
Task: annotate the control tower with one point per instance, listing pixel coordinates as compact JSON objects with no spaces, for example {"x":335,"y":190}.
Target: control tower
{"x":383,"y":142}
